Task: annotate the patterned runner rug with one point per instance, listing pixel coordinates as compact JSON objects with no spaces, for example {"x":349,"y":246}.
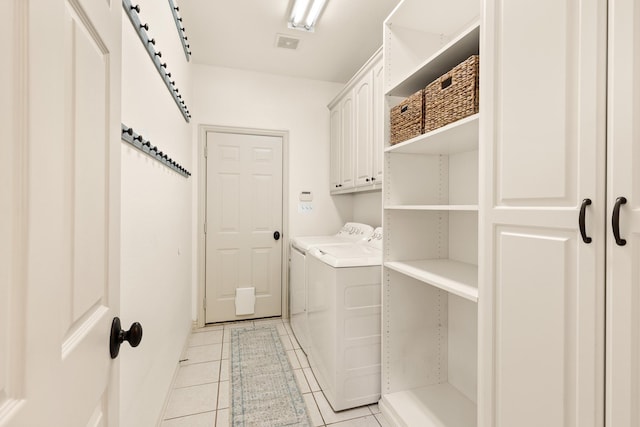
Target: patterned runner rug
{"x":264,"y":389}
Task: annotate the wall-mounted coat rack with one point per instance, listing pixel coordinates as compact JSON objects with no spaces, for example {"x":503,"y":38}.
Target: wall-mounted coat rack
{"x":183,"y":37}
{"x":136,"y":140}
{"x":149,"y":44}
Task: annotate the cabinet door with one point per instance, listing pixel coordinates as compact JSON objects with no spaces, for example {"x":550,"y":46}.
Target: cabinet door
{"x":378,"y":122}
{"x":335,"y":147}
{"x":541,"y":355}
{"x":347,"y":170}
{"x":623,"y":262}
{"x":363,"y":94}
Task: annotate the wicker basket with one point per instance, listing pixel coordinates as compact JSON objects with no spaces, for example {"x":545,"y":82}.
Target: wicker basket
{"x":407,"y":118}
{"x":453,"y":96}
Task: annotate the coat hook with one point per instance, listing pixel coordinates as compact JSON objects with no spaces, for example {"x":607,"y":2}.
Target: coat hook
{"x":168,"y":75}
{"x":164,"y":65}
{"x":129,"y":131}
{"x":158,"y":54}
{"x":138,"y":138}
{"x":177,"y":9}
{"x":145,"y":26}
{"x":152,"y":41}
{"x":185,"y":38}
{"x":136,"y":8}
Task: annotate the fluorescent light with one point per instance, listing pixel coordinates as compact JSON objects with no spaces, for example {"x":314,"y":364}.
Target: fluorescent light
{"x":304,"y":16}
{"x":314,"y":12}
{"x":298,"y":11}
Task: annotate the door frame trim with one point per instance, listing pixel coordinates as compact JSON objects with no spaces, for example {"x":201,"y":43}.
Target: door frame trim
{"x":201,"y":261}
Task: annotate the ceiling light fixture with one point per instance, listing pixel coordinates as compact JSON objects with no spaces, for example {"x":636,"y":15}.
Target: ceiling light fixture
{"x":305,"y":13}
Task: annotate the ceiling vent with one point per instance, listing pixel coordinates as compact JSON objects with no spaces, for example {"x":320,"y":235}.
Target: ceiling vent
{"x":287,"y":42}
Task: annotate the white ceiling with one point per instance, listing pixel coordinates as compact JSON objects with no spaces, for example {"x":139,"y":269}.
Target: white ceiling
{"x":242,"y":34}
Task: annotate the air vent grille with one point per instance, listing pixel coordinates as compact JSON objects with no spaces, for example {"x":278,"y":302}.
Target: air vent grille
{"x":287,"y":42}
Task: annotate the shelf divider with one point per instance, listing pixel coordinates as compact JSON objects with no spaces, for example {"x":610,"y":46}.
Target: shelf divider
{"x":456,"y":277}
{"x":457,"y":50}
{"x":472,"y":208}
{"x":432,"y":406}
{"x":457,"y":137}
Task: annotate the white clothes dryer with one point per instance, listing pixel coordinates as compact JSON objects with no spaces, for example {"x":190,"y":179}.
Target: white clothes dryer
{"x":350,"y":233}
{"x":344,"y":318}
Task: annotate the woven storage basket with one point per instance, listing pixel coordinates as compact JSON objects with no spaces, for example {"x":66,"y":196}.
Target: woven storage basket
{"x":407,"y":118}
{"x":453,"y":96}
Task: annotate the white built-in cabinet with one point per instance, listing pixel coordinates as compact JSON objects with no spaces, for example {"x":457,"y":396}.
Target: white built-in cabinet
{"x":509,"y":296}
{"x":356,"y":133}
{"x":430,"y":222}
{"x":559,"y":336}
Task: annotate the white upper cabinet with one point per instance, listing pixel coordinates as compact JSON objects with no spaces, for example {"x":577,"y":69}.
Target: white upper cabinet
{"x":378,"y":122}
{"x":347,"y":146}
{"x":356,"y":131}
{"x":364,"y":144}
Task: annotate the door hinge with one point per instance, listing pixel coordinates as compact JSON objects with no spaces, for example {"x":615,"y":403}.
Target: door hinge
{"x":204,"y":303}
{"x":205,"y":228}
{"x":206,"y":151}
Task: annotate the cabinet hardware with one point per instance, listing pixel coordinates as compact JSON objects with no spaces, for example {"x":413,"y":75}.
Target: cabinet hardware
{"x":615,"y":220}
{"x":583,"y":211}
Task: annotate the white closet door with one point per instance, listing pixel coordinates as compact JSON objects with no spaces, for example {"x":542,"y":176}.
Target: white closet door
{"x":542,"y":152}
{"x":623,"y":169}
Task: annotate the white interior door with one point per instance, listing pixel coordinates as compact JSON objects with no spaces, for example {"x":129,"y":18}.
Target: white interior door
{"x":59,"y":191}
{"x":541,"y":326}
{"x":623,"y":170}
{"x":243,"y":211}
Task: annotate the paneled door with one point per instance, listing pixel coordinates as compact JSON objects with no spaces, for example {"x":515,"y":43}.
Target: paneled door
{"x":623,"y":184}
{"x":243,"y":223}
{"x":59,"y":196}
{"x":543,"y":124}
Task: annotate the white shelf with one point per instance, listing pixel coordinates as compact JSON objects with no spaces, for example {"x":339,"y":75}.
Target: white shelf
{"x":433,"y":406}
{"x":457,"y":50}
{"x":457,"y":137}
{"x":456,"y":277}
{"x":433,"y":207}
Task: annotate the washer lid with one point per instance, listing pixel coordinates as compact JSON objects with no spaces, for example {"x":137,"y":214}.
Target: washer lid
{"x":358,"y":255}
{"x":349,"y":233}
{"x":304,"y":243}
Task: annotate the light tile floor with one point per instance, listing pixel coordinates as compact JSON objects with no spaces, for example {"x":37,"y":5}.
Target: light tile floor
{"x":201,"y":390}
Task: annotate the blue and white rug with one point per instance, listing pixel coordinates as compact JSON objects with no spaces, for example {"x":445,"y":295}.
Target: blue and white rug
{"x":264,"y":391}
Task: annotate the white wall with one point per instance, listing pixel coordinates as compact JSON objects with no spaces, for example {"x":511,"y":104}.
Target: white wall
{"x":156,"y":238}
{"x":367,"y":208}
{"x":239,"y":98}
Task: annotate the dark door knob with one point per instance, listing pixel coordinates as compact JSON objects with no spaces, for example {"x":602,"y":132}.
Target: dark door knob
{"x":118,"y":336}
{"x":276,"y":235}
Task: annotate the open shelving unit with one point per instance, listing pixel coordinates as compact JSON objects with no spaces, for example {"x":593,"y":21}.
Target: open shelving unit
{"x":430,"y":221}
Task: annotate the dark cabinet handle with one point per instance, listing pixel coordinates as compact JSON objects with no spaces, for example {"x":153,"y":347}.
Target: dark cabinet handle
{"x":118,"y":336}
{"x":367,"y":180}
{"x":373,"y":178}
{"x":615,"y":220}
{"x":583,"y":211}
{"x":276,"y":235}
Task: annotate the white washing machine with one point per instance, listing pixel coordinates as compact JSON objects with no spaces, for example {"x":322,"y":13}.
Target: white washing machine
{"x":344,"y":318}
{"x":350,"y":233}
